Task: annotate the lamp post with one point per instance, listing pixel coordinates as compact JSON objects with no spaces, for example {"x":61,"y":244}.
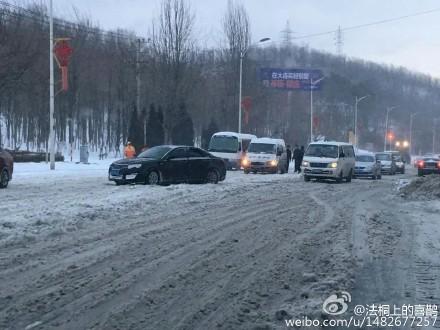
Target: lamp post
{"x":433,"y":134}
{"x":356,"y":116}
{"x":411,"y":118}
{"x":389,"y":109}
{"x":312,"y":84}
{"x":51,"y":92}
{"x":242,"y":55}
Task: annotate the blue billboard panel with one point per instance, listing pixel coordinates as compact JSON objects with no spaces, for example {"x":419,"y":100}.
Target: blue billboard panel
{"x":296,"y":79}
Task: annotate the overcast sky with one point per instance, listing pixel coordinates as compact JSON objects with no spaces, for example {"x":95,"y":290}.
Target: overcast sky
{"x":413,"y":42}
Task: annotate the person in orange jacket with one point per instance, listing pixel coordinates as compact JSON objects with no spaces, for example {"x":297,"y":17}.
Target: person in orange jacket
{"x":129,"y":151}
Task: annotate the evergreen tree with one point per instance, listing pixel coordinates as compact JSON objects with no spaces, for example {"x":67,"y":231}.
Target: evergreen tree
{"x":136,"y":131}
{"x":155,"y":130}
{"x":183,"y":131}
{"x":208,"y":132}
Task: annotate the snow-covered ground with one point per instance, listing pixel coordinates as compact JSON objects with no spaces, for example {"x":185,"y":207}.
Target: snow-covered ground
{"x":78,"y":252}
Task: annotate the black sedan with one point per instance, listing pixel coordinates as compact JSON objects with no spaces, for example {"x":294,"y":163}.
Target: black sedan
{"x":6,"y":168}
{"x":428,"y":165}
{"x":169,"y":164}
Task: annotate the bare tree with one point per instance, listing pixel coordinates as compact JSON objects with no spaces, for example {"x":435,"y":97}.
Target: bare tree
{"x":236,"y":28}
{"x":174,"y":48}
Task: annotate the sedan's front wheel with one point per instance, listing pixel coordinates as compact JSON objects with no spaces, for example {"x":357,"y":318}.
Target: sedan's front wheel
{"x":212,"y":177}
{"x":152,"y":178}
{"x":4,"y":179}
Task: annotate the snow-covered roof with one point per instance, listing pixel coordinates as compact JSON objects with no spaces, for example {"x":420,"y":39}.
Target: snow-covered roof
{"x":332,"y":143}
{"x":237,"y":135}
{"x":268,"y":140}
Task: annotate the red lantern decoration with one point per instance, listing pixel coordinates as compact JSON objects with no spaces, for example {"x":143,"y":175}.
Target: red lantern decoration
{"x":63,"y":52}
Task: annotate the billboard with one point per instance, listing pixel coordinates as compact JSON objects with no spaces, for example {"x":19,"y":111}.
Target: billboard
{"x":290,"y":79}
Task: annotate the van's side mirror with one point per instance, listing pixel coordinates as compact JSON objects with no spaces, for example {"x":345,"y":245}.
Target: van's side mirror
{"x":279,"y":153}
{"x":341,"y":154}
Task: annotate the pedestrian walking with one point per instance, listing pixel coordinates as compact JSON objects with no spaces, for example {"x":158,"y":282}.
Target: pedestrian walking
{"x":289,"y":156}
{"x":301,"y":156}
{"x":297,"y":159}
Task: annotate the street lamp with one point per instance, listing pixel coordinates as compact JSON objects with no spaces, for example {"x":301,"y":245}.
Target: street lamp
{"x":312,"y":84}
{"x":433,"y":134}
{"x":411,"y":118}
{"x":242,"y":55}
{"x":356,"y":116}
{"x":389,"y":109}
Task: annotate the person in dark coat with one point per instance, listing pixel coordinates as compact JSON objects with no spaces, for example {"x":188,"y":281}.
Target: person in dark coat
{"x":301,"y":156}
{"x":297,"y":158}
{"x":289,"y":156}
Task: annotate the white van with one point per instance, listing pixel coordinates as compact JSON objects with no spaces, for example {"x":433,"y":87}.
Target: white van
{"x":231,"y":147}
{"x":266,"y":155}
{"x":329,"y":160}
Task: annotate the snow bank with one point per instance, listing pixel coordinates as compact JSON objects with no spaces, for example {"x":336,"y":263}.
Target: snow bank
{"x":423,"y":188}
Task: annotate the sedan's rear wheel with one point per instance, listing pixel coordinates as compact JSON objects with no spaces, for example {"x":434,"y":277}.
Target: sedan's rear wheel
{"x":152,"y":178}
{"x":4,"y":179}
{"x":212,"y":176}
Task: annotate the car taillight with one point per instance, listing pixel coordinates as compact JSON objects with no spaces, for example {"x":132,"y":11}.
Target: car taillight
{"x":438,"y":164}
{"x":421,"y":163}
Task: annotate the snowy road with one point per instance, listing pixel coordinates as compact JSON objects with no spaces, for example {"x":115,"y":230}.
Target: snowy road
{"x":77,"y":252}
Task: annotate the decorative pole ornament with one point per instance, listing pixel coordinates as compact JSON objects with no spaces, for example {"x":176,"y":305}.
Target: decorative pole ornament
{"x":63,"y":52}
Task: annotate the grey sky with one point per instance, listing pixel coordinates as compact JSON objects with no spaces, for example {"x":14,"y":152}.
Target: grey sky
{"x":413,"y":42}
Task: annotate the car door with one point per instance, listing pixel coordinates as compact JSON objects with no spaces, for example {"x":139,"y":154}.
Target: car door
{"x":198,"y":164}
{"x":174,"y":167}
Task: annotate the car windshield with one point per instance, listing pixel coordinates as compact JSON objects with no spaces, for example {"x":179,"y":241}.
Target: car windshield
{"x":262,"y":148}
{"x":383,"y":156}
{"x":155,"y":152}
{"x":322,"y":150}
{"x":223,"y":144}
{"x":365,"y":159}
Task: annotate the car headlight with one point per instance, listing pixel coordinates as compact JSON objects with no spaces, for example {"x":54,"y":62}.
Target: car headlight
{"x":245,"y":162}
{"x":305,"y":163}
{"x":333,"y":165}
{"x":134,"y":166}
{"x":273,"y":162}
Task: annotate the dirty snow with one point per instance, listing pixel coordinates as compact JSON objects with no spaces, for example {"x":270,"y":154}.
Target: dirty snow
{"x":78,"y":252}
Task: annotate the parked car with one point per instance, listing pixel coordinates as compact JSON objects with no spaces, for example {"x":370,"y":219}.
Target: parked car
{"x":231,"y":147}
{"x":428,"y":165}
{"x":329,"y":160}
{"x":367,"y":166}
{"x":266,"y":155}
{"x":169,"y":164}
{"x":6,"y":168}
{"x":387,"y":162}
{"x":400,"y":162}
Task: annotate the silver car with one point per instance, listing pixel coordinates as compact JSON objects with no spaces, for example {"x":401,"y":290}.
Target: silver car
{"x":367,"y":166}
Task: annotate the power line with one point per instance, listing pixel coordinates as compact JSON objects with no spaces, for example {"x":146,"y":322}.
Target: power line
{"x":313,"y":35}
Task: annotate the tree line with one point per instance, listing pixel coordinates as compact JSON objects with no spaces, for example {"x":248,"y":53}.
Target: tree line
{"x":189,"y":91}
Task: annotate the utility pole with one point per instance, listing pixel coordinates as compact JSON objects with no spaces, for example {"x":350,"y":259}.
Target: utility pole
{"x":357,"y":100}
{"x":242,"y":55}
{"x":138,"y":76}
{"x":51,"y":92}
{"x":433,"y":134}
{"x":389,"y":109}
{"x":312,"y":85}
{"x":411,"y":119}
